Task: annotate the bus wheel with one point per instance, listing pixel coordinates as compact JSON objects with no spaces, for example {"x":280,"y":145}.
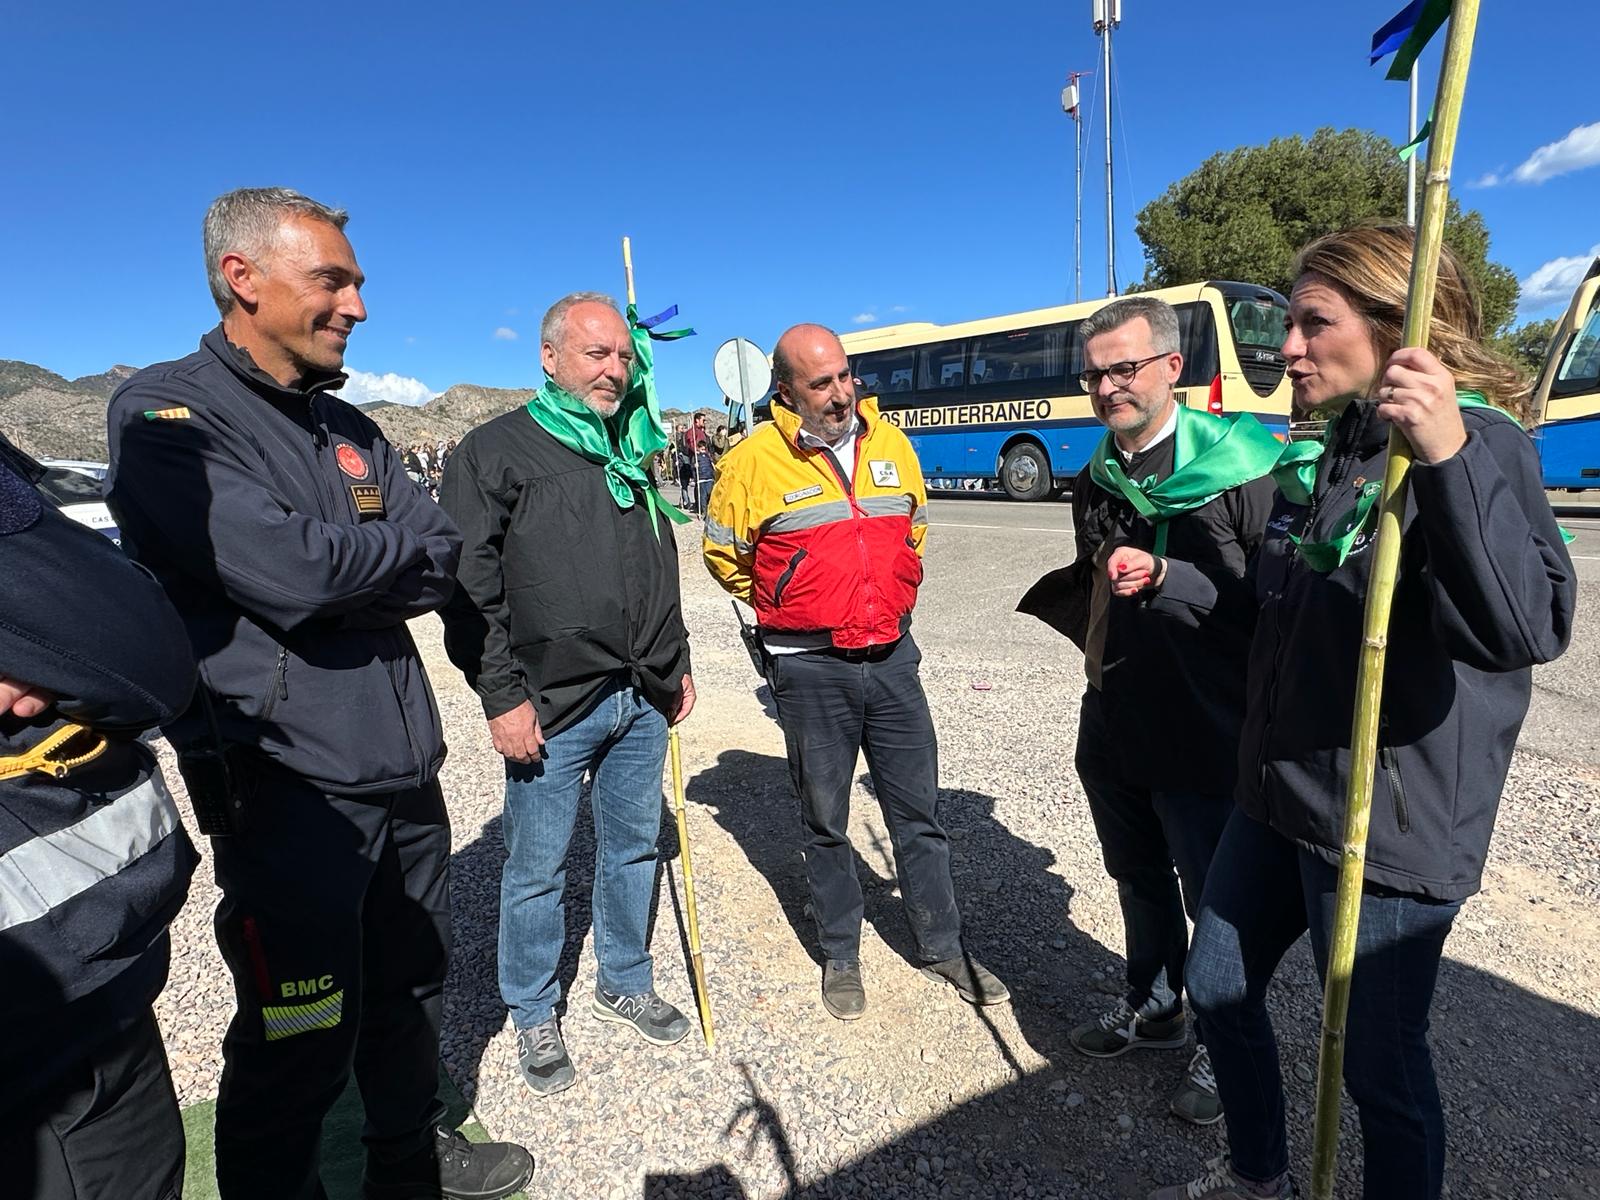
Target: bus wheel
{"x":1025,"y":472}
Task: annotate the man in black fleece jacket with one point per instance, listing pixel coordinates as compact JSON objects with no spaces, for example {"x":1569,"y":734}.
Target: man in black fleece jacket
{"x":567,"y":623}
{"x":93,"y":863}
{"x":1160,"y":718}
{"x":295,"y":548}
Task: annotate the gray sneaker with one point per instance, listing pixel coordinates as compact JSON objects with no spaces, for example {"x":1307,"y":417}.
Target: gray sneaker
{"x":1122,"y":1029}
{"x":1218,"y":1182}
{"x":656,"y":1021}
{"x":542,"y":1055}
{"x":1196,"y":1099}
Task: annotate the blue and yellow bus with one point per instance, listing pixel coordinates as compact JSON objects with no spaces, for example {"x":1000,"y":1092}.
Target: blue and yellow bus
{"x":1566,"y":402}
{"x":999,"y":398}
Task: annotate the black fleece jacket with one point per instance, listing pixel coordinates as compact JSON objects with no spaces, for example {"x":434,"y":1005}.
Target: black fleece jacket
{"x":560,"y":592}
{"x":1486,"y":590}
{"x":293,"y":544}
{"x":1171,"y":690}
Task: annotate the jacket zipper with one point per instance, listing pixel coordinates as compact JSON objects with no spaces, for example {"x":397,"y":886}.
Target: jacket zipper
{"x":788,"y":574}
{"x":1390,"y":758}
{"x":1341,"y":466}
{"x":280,"y":684}
{"x":848,"y":482}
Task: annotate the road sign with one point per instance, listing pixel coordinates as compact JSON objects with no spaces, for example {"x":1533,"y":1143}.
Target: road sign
{"x":742,"y":371}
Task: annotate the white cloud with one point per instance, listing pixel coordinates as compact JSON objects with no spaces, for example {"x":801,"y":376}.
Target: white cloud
{"x":899,"y":308}
{"x":1489,"y":179}
{"x":1554,"y":282}
{"x":864,"y":318}
{"x":505,"y":334}
{"x":364,"y":387}
{"x":1579,"y":149}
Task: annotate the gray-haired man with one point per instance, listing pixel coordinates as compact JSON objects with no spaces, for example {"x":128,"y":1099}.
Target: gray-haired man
{"x":1159,"y":724}
{"x":294,"y":547}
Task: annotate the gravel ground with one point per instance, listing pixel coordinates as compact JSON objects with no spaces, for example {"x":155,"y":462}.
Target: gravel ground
{"x":926,"y":1096}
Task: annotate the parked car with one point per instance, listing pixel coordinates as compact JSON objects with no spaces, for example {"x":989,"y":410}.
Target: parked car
{"x":75,"y":488}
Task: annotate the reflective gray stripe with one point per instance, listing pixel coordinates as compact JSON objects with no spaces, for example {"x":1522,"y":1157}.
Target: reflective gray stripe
{"x":290,"y":1019}
{"x":48,"y":871}
{"x":810,"y":516}
{"x":886,"y":506}
{"x":920,"y":517}
{"x":721,"y":535}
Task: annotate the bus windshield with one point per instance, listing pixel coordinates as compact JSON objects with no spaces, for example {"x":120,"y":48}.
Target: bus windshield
{"x":1258,"y":321}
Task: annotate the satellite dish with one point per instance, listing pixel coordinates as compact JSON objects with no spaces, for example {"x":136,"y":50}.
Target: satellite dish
{"x":742,"y":372}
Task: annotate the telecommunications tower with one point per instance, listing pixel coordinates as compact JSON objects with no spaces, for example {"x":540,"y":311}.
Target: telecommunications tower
{"x":1107,"y":16}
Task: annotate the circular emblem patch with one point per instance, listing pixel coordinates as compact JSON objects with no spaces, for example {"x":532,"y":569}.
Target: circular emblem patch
{"x":350,"y":461}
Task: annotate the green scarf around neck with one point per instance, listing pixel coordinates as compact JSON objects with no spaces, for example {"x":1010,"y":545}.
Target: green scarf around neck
{"x":623,"y":443}
{"x":1296,"y":477}
{"x":1210,"y":455}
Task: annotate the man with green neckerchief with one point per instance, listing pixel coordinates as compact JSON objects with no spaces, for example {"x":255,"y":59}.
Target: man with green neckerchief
{"x":568,"y":624}
{"x":1160,"y":717}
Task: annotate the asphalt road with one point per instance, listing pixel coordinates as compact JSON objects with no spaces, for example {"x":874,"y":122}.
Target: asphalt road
{"x":984,"y":552}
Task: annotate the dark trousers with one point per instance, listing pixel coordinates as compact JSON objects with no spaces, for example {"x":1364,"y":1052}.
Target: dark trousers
{"x":335,"y":923}
{"x":108,"y":1127}
{"x":1258,"y":897}
{"x":1143,"y":835}
{"x":831,"y":707}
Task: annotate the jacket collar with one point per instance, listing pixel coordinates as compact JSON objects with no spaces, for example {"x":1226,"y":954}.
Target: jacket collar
{"x":788,"y":421}
{"x":237,"y":359}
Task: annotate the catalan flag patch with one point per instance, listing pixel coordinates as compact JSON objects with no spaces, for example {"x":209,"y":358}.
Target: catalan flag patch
{"x":166,"y":414}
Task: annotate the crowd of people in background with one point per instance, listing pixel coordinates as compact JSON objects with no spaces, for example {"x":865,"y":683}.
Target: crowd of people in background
{"x":425,"y":463}
{"x":691,"y":459}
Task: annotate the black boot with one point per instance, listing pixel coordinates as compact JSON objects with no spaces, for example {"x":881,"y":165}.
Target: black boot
{"x":451,"y":1169}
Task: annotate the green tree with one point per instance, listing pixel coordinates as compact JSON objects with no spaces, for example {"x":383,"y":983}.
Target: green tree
{"x":1243,"y":214}
{"x":1526,"y":345}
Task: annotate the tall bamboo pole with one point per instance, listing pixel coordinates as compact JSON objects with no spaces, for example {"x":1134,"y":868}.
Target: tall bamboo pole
{"x":1380,"y":597}
{"x":696,"y":961}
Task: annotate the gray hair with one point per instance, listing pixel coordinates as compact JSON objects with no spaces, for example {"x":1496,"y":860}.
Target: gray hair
{"x":1158,"y":314}
{"x":246,"y":221}
{"x":554,"y":326}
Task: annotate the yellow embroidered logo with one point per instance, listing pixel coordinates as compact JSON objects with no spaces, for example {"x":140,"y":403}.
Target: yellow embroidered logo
{"x":368,"y":497}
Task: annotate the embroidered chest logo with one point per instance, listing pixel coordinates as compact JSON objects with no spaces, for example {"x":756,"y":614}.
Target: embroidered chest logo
{"x":884,"y":472}
{"x":368,"y":498}
{"x":351,"y":462}
{"x":803,"y":494}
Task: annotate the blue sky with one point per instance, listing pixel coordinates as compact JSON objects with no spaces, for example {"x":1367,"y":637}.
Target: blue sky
{"x":843,"y":163}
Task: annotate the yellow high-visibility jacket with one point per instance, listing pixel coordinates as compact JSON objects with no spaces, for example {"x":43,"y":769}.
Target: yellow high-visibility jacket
{"x":810,"y":550}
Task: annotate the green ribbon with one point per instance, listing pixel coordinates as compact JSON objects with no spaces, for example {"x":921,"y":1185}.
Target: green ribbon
{"x":623,"y":443}
{"x":1296,"y":477}
{"x":1415,"y":143}
{"x":1210,"y":455}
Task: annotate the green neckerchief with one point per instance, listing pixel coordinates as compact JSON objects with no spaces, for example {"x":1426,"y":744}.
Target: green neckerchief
{"x":1296,"y":477}
{"x":624,"y":443}
{"x":1210,"y":455}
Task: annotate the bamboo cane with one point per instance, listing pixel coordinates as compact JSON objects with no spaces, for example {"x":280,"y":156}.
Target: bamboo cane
{"x":1380,"y":597}
{"x":696,"y":962}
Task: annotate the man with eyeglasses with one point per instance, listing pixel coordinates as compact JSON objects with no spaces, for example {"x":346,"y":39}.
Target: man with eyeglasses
{"x":1160,"y":717}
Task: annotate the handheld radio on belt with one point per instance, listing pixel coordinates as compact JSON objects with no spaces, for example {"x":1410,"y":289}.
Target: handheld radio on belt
{"x":751,"y":636}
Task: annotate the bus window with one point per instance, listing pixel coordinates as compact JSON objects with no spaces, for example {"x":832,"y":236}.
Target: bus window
{"x":884,"y":372}
{"x":1197,"y":338}
{"x":1033,"y":354}
{"x":941,"y":366}
{"x":1257,"y":320}
{"x":1580,"y":368}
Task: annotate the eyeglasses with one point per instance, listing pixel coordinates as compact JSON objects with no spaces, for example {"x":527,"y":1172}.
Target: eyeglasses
{"x":1121,"y":373}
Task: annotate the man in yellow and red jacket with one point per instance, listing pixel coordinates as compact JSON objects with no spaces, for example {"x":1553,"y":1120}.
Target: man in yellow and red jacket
{"x":817,"y":522}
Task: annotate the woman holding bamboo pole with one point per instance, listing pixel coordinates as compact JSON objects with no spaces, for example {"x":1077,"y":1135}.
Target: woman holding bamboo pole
{"x":1486,"y":590}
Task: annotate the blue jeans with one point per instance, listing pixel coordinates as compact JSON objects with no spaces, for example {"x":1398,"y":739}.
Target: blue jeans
{"x":1143,"y":835}
{"x":1258,"y":896}
{"x":622,"y":741}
